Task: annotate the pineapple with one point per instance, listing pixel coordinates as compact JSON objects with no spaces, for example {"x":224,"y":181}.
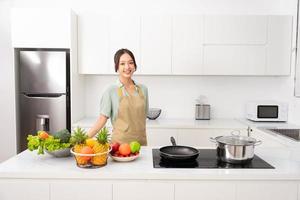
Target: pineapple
{"x":100,"y":147}
{"x":77,"y":140}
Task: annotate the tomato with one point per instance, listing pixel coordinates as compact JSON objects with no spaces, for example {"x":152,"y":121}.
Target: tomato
{"x":43,"y":135}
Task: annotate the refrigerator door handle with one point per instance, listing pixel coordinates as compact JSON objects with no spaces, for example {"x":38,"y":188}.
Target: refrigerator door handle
{"x":43,"y":96}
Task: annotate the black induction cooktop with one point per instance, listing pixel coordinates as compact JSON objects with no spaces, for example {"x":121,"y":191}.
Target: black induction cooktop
{"x":207,"y":159}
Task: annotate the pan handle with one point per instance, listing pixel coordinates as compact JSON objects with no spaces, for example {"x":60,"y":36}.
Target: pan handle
{"x":258,"y":142}
{"x":213,"y":140}
{"x":173,"y":141}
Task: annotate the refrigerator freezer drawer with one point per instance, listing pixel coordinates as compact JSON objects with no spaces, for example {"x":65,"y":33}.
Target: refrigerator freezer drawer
{"x":31,"y":107}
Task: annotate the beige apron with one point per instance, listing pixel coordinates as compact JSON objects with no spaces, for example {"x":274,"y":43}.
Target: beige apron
{"x":130,"y":124}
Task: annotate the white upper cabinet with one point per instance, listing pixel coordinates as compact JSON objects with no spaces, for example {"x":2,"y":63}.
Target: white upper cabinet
{"x":41,"y":27}
{"x":235,"y":29}
{"x":187,"y":50}
{"x":124,"y":32}
{"x":156,"y":45}
{"x":279,"y":45}
{"x":247,"y":45}
{"x":255,"y":45}
{"x":93,"y":38}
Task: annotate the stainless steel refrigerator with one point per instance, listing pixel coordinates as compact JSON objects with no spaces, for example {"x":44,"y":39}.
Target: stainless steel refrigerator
{"x":43,"y":92}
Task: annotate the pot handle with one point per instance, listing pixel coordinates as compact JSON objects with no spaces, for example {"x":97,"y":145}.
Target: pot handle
{"x":236,"y":133}
{"x":173,"y":141}
{"x":213,"y":140}
{"x":258,"y":142}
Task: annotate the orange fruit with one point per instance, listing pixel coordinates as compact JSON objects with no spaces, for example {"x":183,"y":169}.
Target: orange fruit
{"x":86,"y":150}
{"x":124,"y":149}
{"x":43,"y":135}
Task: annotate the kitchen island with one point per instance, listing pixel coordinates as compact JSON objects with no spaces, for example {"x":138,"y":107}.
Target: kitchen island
{"x":46,"y":177}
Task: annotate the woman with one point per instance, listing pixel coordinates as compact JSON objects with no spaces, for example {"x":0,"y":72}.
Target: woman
{"x":125,"y":102}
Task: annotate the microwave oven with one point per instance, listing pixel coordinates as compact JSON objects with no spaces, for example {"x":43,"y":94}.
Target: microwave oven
{"x":267,"y":111}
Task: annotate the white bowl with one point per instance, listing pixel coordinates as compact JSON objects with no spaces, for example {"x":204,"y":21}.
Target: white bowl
{"x":125,"y":159}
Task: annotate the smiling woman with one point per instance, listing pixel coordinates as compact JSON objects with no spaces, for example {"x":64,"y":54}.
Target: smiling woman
{"x":125,"y":103}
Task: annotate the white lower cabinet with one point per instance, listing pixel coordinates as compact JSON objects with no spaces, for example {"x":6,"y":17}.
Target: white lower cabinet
{"x":24,"y":189}
{"x":201,"y":137}
{"x":160,"y":137}
{"x":206,"y":190}
{"x":141,"y":190}
{"x":266,"y":190}
{"x":190,"y":137}
{"x":79,"y":190}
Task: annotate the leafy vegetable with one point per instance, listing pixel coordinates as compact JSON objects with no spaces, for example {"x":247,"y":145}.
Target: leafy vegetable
{"x":64,"y":135}
{"x":50,"y":144}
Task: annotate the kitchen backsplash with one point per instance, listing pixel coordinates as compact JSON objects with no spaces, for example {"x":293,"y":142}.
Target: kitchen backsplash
{"x":176,"y":94}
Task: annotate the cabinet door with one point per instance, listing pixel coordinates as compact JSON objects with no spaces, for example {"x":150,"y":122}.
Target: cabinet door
{"x":208,"y":190}
{"x":160,"y":137}
{"x":279,"y":46}
{"x":24,"y":189}
{"x":234,"y":60}
{"x":266,"y":190}
{"x":187,"y":49}
{"x":93,"y":44}
{"x":156,"y":45}
{"x":143,"y":190}
{"x":235,"y":30}
{"x":41,"y":28}
{"x":124,"y":32}
{"x":201,"y":137}
{"x":78,"y":190}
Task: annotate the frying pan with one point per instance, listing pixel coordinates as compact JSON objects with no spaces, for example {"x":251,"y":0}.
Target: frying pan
{"x":178,"y":153}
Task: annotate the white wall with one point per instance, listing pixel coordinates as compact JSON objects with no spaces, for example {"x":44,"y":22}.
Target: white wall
{"x":7,"y":86}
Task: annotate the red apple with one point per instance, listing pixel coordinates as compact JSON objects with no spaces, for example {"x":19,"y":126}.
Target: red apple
{"x":114,"y":147}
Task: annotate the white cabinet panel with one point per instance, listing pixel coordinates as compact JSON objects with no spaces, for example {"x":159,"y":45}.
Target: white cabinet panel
{"x":234,"y":60}
{"x":156,"y":45}
{"x":266,"y":190}
{"x":124,"y":32}
{"x":201,"y":137}
{"x":93,"y":44}
{"x":187,"y":44}
{"x":279,"y":45}
{"x":78,"y":190}
{"x":235,"y":29}
{"x":24,"y":189}
{"x":143,"y":190}
{"x":41,"y":27}
{"x":160,"y":137}
{"x":208,"y":190}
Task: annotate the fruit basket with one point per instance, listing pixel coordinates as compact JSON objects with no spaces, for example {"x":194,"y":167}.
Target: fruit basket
{"x":94,"y":160}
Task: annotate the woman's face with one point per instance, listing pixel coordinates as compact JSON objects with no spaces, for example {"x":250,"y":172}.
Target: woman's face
{"x":126,"y":66}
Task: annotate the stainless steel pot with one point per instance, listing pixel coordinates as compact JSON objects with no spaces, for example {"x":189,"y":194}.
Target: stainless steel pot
{"x":235,"y":149}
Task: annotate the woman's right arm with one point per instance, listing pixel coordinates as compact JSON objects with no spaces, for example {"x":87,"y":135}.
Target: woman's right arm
{"x":101,"y":121}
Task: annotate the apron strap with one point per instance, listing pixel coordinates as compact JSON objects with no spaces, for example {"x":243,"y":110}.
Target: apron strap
{"x":120,"y":92}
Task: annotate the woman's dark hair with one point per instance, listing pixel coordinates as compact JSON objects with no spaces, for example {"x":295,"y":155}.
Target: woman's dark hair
{"x":118,"y":55}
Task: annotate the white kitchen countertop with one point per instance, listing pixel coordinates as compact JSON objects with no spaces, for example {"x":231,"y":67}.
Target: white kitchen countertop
{"x":32,"y":166}
{"x":175,"y":123}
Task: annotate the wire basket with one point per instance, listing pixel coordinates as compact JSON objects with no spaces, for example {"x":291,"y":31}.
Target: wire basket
{"x":94,"y":160}
{"x":153,"y":113}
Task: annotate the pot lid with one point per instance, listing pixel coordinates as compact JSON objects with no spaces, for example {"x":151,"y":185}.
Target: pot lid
{"x":236,"y":140}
